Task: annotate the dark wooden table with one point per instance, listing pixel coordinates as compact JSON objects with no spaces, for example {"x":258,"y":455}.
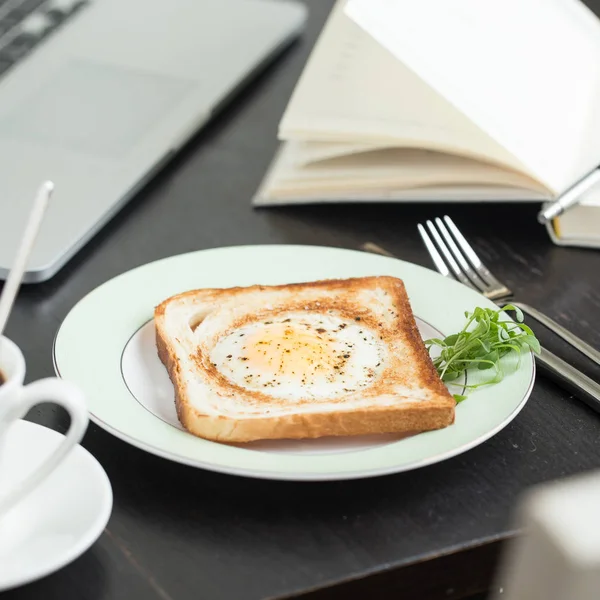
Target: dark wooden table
{"x":178,"y":533}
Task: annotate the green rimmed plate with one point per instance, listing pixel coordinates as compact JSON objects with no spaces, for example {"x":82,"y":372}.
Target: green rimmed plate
{"x":110,"y":353}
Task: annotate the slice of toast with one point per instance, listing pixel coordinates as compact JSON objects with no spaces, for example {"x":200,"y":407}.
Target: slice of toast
{"x":306,"y":360}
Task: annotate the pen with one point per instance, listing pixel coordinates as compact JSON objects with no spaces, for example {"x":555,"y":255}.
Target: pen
{"x":569,"y":198}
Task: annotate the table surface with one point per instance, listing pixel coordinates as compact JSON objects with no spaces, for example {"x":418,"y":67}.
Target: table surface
{"x":178,"y":533}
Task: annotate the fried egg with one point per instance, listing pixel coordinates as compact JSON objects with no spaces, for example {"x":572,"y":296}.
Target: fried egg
{"x":298,"y":355}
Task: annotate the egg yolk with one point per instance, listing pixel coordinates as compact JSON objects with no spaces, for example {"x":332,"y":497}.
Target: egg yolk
{"x":284,"y":350}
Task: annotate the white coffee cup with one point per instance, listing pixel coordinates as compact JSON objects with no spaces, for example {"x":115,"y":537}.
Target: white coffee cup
{"x":16,"y":399}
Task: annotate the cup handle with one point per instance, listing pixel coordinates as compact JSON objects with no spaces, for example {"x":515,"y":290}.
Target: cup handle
{"x":59,"y":392}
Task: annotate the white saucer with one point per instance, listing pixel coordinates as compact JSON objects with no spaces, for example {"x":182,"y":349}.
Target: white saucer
{"x":61,"y":518}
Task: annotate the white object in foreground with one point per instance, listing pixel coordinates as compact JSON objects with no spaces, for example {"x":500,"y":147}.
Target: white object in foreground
{"x":558,"y":558}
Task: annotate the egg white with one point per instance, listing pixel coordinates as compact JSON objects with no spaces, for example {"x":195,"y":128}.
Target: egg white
{"x":296,"y":356}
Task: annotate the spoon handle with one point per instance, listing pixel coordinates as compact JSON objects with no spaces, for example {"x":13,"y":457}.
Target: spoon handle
{"x":13,"y":282}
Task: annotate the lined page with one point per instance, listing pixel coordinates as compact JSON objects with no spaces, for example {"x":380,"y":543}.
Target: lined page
{"x":355,"y":91}
{"x":526,"y":71}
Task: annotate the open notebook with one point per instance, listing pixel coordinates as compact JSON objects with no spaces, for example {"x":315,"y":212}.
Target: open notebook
{"x":372,"y":119}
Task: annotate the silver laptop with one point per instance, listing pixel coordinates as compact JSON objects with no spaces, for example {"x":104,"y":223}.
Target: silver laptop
{"x":97,"y":95}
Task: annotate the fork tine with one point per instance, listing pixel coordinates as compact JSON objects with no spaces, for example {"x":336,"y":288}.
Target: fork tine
{"x":440,"y":265}
{"x":459,"y":256}
{"x":481,"y":269}
{"x":449,"y":259}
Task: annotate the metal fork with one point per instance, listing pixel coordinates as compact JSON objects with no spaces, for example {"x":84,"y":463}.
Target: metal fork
{"x":465,"y":265}
{"x":459,"y":261}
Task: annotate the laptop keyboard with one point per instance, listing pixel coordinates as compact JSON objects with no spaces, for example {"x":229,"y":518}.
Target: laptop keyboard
{"x":26,"y":23}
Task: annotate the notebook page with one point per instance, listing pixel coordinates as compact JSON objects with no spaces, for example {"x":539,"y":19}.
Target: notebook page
{"x":525,"y":71}
{"x":353,"y":90}
{"x":311,"y":152}
{"x":384,"y":170}
{"x":283,"y":184}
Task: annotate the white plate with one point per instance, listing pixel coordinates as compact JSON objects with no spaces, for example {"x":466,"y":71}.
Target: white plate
{"x":61,"y":518}
{"x":106,"y":345}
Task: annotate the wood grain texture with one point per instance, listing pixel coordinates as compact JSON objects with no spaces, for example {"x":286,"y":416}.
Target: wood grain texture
{"x":441,"y":577}
{"x":179,"y":534}
{"x":105,"y":571}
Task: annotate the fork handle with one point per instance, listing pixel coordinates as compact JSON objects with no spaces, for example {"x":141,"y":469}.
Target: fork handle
{"x":559,"y":330}
{"x":569,"y":378}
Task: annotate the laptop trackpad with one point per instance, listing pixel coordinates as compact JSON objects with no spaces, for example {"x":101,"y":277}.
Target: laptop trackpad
{"x":102,"y":110}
